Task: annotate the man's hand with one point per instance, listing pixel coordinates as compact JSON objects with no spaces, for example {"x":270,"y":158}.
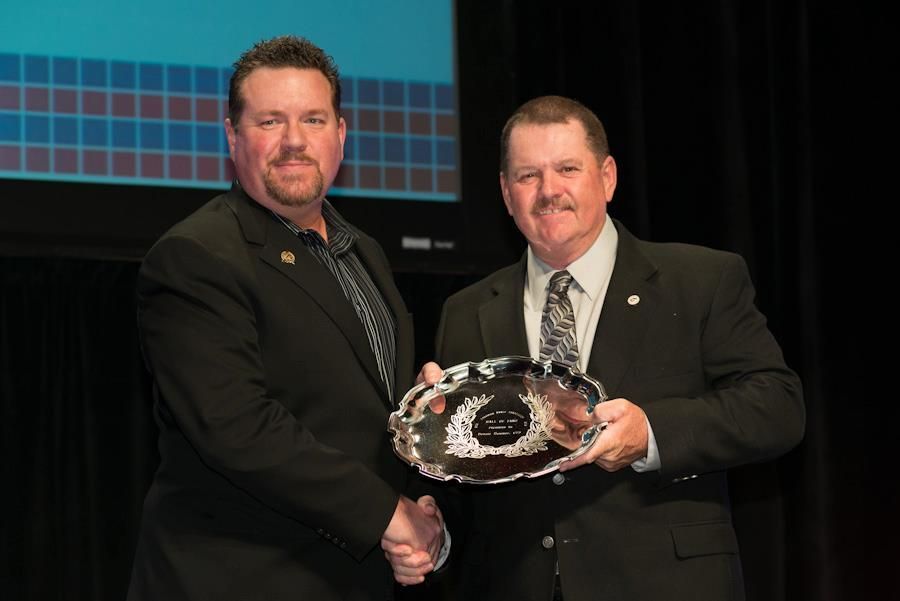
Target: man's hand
{"x":413,"y":539}
{"x":431,"y":372}
{"x":623,"y":441}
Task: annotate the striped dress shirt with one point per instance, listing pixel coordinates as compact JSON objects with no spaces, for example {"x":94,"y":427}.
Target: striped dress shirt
{"x":339,"y":257}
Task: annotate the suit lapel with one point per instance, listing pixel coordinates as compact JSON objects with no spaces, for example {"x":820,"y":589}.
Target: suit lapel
{"x":631,"y":301}
{"x":501,"y":318}
{"x":286,"y":254}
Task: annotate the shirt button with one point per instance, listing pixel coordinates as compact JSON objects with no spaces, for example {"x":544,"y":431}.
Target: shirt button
{"x":558,"y":478}
{"x":547,"y":542}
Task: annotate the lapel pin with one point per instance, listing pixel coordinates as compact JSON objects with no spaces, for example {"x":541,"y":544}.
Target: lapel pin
{"x":634,"y":299}
{"x":287,"y":257}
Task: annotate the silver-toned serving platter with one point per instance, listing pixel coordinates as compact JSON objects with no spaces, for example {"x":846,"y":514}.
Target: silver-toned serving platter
{"x":497,"y":420}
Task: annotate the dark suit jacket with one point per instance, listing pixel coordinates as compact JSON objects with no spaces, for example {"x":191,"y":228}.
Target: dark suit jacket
{"x":696,"y":355}
{"x":277,"y":477}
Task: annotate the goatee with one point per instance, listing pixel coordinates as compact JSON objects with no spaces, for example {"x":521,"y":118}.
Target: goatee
{"x":294,"y":190}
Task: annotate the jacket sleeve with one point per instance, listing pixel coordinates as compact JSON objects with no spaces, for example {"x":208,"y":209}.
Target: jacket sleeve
{"x":753,"y":407}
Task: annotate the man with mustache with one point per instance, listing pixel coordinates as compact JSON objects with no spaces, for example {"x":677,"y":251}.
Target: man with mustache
{"x":277,"y":344}
{"x":697,"y":384}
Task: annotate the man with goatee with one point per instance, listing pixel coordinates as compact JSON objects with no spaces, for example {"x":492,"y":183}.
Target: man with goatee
{"x":277,"y":343}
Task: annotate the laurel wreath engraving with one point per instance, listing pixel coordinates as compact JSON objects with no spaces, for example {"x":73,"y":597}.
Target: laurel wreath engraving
{"x":461,"y":443}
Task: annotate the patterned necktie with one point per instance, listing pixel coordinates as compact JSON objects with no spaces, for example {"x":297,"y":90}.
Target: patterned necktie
{"x":558,"y":322}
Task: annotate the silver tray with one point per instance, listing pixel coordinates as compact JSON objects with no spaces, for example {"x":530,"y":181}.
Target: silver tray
{"x":498,"y":420}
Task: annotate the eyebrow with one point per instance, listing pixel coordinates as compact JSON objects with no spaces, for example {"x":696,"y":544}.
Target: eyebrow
{"x":278,"y":112}
{"x":560,"y":162}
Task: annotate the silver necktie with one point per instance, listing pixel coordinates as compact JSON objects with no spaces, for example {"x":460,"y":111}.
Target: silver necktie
{"x":558,"y":341}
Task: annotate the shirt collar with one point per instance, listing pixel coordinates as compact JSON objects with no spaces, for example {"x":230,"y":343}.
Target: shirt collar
{"x":340,"y":236}
{"x":589,"y":271}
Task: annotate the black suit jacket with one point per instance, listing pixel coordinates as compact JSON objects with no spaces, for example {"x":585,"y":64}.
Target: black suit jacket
{"x":277,"y":477}
{"x":696,"y":355}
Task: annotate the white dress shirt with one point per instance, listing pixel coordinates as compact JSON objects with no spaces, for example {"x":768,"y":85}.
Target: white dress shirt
{"x":591,"y":273}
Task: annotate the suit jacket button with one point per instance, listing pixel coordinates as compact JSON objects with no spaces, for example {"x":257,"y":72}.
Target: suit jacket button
{"x":547,"y":542}
{"x":558,"y":478}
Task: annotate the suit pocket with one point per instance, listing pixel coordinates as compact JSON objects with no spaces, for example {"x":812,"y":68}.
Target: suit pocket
{"x":707,"y":538}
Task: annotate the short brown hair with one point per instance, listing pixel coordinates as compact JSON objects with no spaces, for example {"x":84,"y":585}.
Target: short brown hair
{"x":545,"y":110}
{"x":283,"y":51}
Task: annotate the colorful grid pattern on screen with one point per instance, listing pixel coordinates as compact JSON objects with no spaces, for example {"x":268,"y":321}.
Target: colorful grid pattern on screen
{"x":148,"y":123}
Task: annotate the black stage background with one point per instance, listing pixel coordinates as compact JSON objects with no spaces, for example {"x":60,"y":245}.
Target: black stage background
{"x":732,"y":123}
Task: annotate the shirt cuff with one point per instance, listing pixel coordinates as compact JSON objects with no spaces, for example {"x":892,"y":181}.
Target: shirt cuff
{"x":445,"y":551}
{"x":651,"y":462}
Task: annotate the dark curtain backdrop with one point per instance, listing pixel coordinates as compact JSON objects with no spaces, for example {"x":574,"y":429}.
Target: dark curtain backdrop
{"x":731,"y":123}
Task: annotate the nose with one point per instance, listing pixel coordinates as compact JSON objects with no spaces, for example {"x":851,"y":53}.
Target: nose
{"x":294,"y":137}
{"x":551,"y":186}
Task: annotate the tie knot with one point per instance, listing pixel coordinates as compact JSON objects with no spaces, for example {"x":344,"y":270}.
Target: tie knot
{"x":560,"y":281}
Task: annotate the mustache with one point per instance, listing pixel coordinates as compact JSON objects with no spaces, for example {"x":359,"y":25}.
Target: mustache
{"x":294,"y":156}
{"x":543,"y":203}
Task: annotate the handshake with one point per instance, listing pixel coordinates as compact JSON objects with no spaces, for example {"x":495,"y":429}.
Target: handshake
{"x":414,"y":539}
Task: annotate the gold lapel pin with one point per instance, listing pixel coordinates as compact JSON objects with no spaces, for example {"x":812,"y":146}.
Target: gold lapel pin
{"x":634,"y":299}
{"x":287,"y":257}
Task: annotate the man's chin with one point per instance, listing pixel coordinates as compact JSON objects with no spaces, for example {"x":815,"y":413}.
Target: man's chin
{"x":294,"y":202}
{"x":294,"y":196}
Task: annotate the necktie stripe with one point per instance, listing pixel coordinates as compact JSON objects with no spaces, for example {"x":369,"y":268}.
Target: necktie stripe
{"x":558,"y":340}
